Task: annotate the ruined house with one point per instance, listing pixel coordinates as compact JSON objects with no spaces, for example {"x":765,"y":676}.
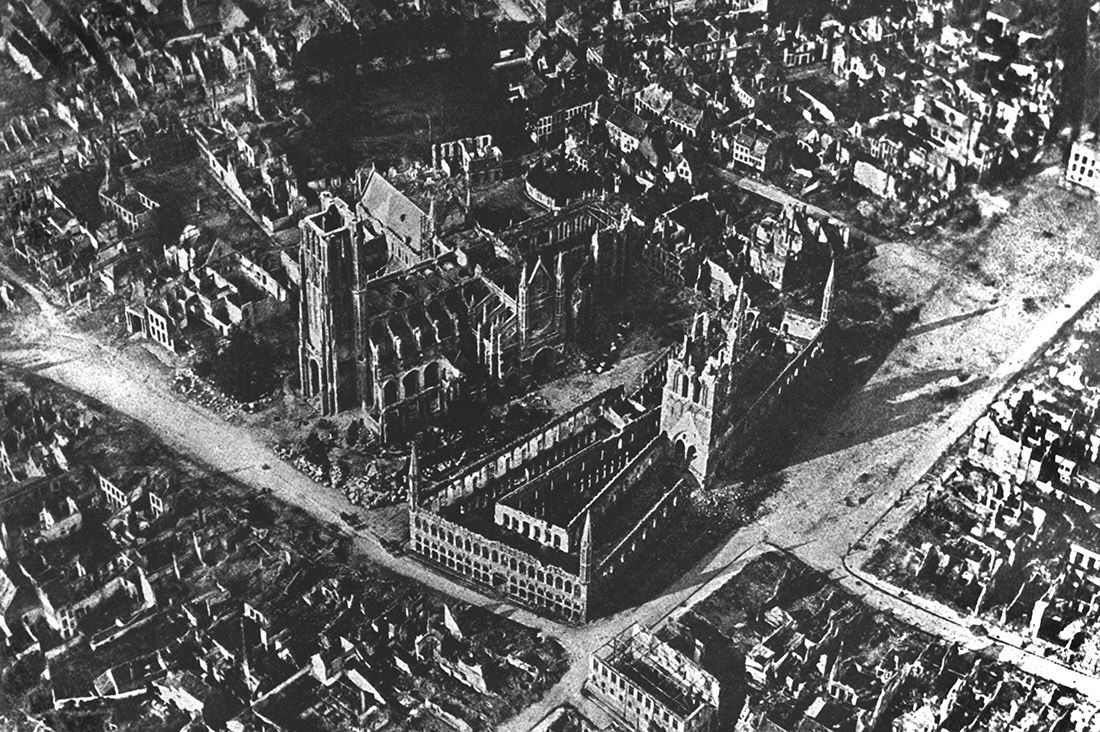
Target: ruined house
{"x":650,"y":685}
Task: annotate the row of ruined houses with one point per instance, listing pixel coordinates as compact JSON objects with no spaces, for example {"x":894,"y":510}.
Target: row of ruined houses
{"x":125,"y":593}
{"x":902,"y":118}
{"x":1025,"y":552}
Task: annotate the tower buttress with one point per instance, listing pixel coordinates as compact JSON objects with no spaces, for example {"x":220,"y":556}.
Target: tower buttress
{"x":251,"y":99}
{"x":559,"y":286}
{"x":700,"y":326}
{"x":414,"y":479}
{"x":431,"y":226}
{"x":492,"y":354}
{"x":586,"y":549}
{"x":827,"y":298}
{"x":246,"y":669}
{"x":734,"y":333}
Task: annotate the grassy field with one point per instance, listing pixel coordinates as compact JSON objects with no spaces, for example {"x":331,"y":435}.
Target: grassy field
{"x":387,"y":116}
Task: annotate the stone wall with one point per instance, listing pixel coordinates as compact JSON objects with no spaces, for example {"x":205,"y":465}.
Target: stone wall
{"x":620,"y":484}
{"x":574,"y":481}
{"x":530,"y":526}
{"x":648,"y":387}
{"x":662,"y":511}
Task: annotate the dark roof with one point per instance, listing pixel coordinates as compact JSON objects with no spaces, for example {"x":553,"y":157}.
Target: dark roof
{"x":627,"y":121}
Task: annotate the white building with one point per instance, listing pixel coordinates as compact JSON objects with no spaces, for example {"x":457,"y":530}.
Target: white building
{"x":1082,"y":169}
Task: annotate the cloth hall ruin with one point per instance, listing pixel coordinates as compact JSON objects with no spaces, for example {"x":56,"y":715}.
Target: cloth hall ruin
{"x":399,"y":324}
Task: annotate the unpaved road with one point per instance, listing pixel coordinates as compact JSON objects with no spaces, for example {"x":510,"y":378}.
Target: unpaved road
{"x":989,"y":302}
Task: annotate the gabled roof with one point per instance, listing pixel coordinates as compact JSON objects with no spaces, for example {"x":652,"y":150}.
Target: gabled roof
{"x":391,"y":208}
{"x":627,"y":121}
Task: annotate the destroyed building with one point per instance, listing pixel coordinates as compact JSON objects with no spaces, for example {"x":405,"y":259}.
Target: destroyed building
{"x":114,"y":582}
{"x":712,"y":393}
{"x":550,"y":518}
{"x":649,"y":684}
{"x":812,"y":656}
{"x":397,"y":340}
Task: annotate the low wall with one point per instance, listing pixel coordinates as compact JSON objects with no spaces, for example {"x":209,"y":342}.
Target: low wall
{"x":656,"y":449}
{"x":496,"y":464}
{"x":674,"y":498}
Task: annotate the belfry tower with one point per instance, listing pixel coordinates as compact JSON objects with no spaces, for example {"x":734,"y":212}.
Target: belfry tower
{"x":699,"y":380}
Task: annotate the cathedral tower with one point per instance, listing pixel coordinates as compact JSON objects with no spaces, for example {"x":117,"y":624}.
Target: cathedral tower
{"x":336,"y":260}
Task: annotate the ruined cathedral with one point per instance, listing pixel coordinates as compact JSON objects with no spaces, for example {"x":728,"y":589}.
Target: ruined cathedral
{"x":397,"y":323}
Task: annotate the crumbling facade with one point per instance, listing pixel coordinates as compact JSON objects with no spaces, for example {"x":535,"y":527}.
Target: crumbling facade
{"x":1082,"y":170}
{"x":709,"y":396}
{"x":131,"y":207}
{"x":475,"y":158}
{"x":650,"y":685}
